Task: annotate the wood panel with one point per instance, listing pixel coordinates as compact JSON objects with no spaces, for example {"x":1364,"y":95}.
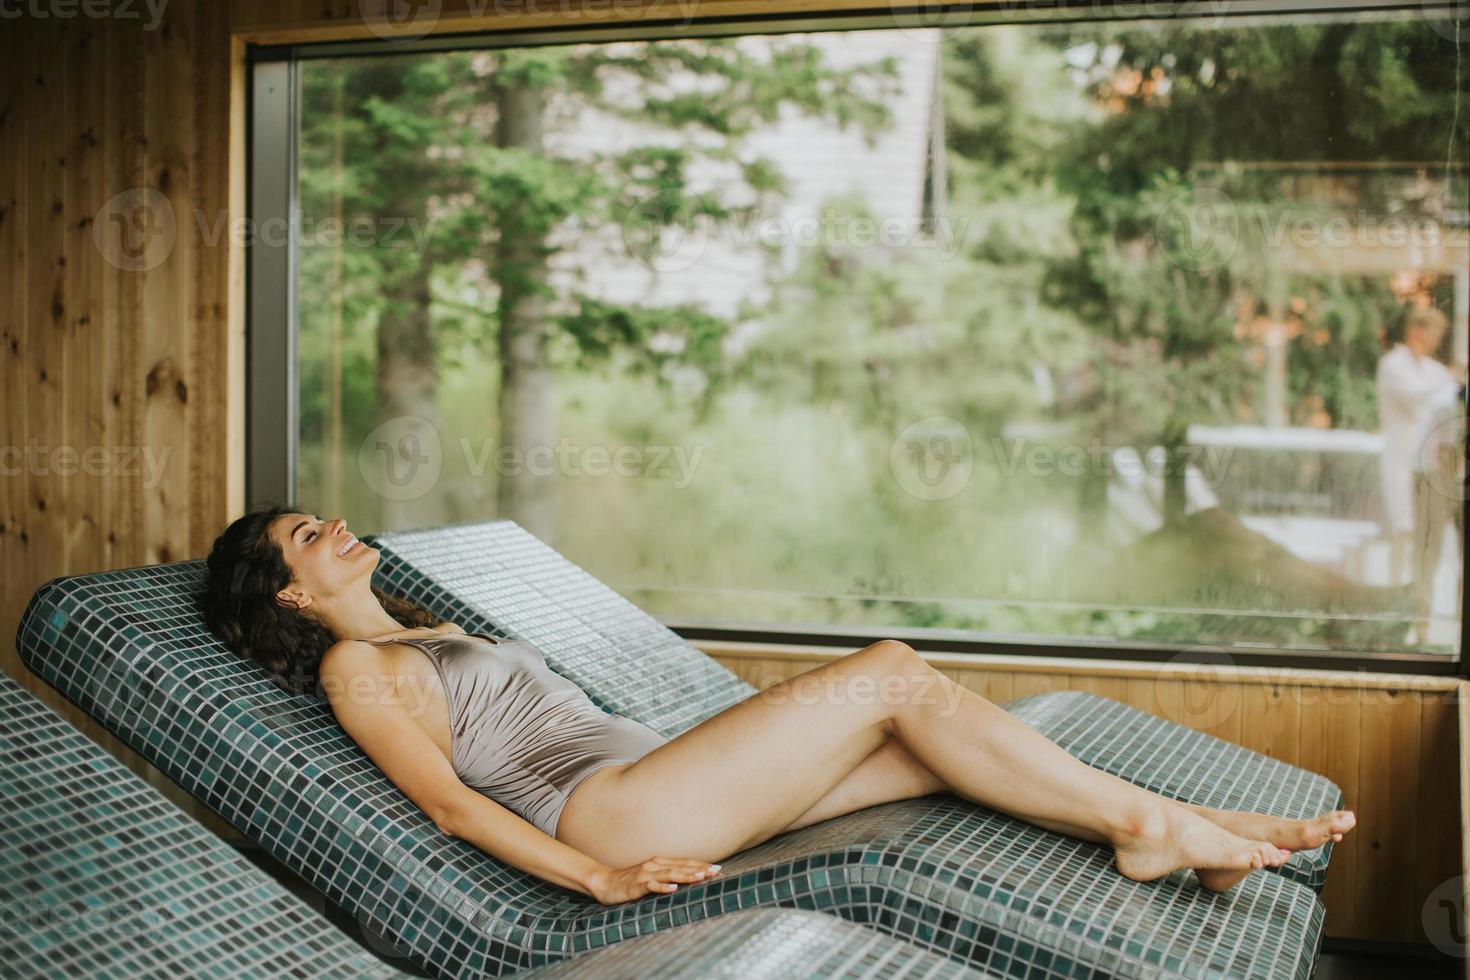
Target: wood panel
{"x":1392,"y":742}
{"x":123,"y":380}
{"x":15,"y":350}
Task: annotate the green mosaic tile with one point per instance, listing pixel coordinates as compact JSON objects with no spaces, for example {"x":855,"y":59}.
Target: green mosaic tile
{"x":102,"y":876}
{"x":1184,"y":764}
{"x":759,"y":944}
{"x":496,"y":577}
{"x":1003,"y":896}
{"x":455,"y":571}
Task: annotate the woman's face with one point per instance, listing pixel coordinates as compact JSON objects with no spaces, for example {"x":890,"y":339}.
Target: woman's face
{"x":326,"y":559}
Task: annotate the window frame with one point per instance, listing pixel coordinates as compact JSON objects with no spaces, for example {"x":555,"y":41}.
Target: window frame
{"x":272,"y":399}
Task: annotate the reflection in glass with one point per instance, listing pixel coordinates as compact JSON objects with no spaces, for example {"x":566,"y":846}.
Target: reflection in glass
{"x":1138,"y":331}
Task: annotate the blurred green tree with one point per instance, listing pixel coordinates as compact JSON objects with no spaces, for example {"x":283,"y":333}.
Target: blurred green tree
{"x":1202,"y":142}
{"x":480,"y":150}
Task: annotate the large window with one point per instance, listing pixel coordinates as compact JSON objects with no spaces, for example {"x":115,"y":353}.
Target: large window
{"x":1132,"y":334}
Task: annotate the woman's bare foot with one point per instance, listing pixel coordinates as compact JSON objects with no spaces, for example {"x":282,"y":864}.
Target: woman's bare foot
{"x":1294,"y":835}
{"x":1169,"y":837}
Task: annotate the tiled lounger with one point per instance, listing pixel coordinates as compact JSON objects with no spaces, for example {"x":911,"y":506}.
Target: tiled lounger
{"x":103,"y":876}
{"x":100,"y":875}
{"x":129,"y":647}
{"x":503,"y":579}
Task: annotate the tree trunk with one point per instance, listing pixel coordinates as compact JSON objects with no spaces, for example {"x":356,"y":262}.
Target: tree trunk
{"x":1176,"y":460}
{"x":1092,"y":504}
{"x":526,"y":491}
{"x":407,"y":383}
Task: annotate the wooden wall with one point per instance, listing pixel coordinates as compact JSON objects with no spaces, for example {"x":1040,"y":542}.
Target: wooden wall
{"x":125,"y":356}
{"x":120,"y":368}
{"x":1391,"y":742}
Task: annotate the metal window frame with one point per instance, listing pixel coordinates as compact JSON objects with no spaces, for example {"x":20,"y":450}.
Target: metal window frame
{"x":272,"y":408}
{"x":941,"y":16}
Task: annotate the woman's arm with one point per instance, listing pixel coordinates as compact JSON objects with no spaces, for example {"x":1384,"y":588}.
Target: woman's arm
{"x":364,"y":698}
{"x":499,"y":831}
{"x":1406,"y":387}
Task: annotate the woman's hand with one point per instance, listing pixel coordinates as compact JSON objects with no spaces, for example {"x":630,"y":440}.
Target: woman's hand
{"x":658,"y":874}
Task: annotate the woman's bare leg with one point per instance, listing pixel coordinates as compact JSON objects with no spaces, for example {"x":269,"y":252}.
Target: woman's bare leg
{"x":1284,"y":832}
{"x":740,"y":777}
{"x":891,"y":772}
{"x":751,"y":771}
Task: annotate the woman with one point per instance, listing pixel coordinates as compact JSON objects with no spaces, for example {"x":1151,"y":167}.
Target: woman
{"x":1408,"y":379}
{"x":499,"y":750}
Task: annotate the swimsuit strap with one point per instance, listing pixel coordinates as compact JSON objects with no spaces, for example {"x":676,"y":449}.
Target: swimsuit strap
{"x":440,"y":636}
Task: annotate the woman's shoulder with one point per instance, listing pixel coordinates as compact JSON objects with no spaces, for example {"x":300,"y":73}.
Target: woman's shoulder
{"x":349,"y":656}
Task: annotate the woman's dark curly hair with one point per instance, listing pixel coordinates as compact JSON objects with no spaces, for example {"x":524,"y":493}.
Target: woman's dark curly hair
{"x":246,"y":570}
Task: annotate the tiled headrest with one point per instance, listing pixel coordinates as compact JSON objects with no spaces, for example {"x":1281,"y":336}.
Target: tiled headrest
{"x":499,"y":577}
{"x":134,"y":640}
